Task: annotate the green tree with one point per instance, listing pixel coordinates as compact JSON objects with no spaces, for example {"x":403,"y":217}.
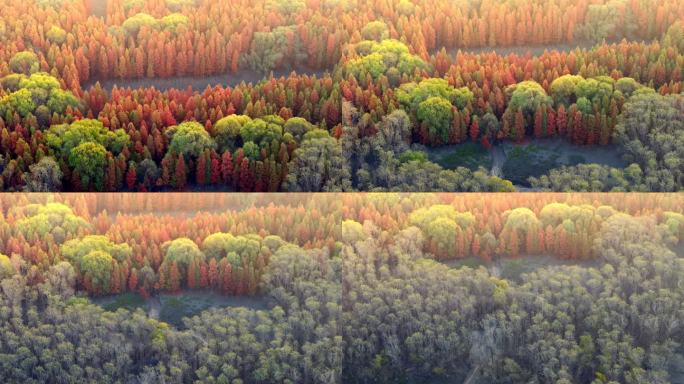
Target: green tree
{"x":25,"y":62}
{"x":437,"y":113}
{"x":56,"y":35}
{"x":89,"y":160}
{"x":74,"y":250}
{"x":297,"y":127}
{"x":6,"y":267}
{"x":97,"y":266}
{"x":189,"y":139}
{"x":64,"y":138}
{"x":133,"y":24}
{"x":227,"y":131}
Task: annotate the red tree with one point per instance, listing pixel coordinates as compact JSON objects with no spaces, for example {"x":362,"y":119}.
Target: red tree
{"x":474,"y":130}
{"x":131,"y":176}
{"x":181,"y":177}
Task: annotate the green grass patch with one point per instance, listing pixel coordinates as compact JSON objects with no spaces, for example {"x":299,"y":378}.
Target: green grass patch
{"x":130,"y":301}
{"x":175,"y":307}
{"x":523,"y":162}
{"x":470,"y":262}
{"x":469,"y":155}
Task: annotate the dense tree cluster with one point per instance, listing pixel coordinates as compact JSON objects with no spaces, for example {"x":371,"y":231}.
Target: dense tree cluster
{"x":354,"y":286}
{"x":406,"y":317}
{"x":650,"y":135}
{"x":190,"y":37}
{"x":380,"y":57}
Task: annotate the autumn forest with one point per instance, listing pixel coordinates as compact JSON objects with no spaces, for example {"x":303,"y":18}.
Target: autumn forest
{"x":353,"y":288}
{"x":341,"y":95}
{"x":342,"y":191}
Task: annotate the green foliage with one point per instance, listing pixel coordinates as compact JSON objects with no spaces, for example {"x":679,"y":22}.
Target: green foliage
{"x":76,"y":249}
{"x":173,"y":21}
{"x":377,"y":58}
{"x":437,"y":114}
{"x":521,"y":220}
{"x":410,"y":95}
{"x":182,"y":251}
{"x":261,"y":131}
{"x":89,"y":160}
{"x":227,"y":131}
{"x":6,"y":267}
{"x":251,"y":150}
{"x":189,"y":139}
{"x":651,"y":134}
{"x":375,"y":30}
{"x":24,"y":62}
{"x":97,"y":266}
{"x":563,"y":89}
{"x":413,"y":155}
{"x":269,"y":49}
{"x":65,"y":137}
{"x":297,"y":127}
{"x":32,"y":94}
{"x":527,"y":97}
{"x":177,"y":5}
{"x":20,"y":101}
{"x":54,"y":218}
{"x":236,"y":248}
{"x":600,"y":21}
{"x":286,"y":6}
{"x":316,"y":133}
{"x":423,"y":217}
{"x":134,"y":23}
{"x":352,"y":231}
{"x":591,"y":178}
{"x":56,"y":35}
{"x":318,"y":165}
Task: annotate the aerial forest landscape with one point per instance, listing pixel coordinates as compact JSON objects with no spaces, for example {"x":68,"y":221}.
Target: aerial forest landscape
{"x":342,"y":192}
{"x":342,"y":288}
{"x":341,"y":95}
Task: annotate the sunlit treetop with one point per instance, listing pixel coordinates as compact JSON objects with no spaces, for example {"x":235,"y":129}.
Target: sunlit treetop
{"x":74,"y":250}
{"x":377,"y":58}
{"x":189,"y":139}
{"x":63,"y":138}
{"x":39,"y":94}
{"x":6,"y":267}
{"x":54,"y":218}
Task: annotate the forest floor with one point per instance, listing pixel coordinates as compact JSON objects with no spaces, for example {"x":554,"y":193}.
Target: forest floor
{"x":537,"y":157}
{"x":514,"y":268}
{"x":521,"y":50}
{"x":199,"y":83}
{"x":172,"y":308}
{"x":518,"y":162}
{"x":469,"y":155}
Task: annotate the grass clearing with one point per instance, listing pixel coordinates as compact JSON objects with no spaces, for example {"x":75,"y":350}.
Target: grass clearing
{"x":469,"y":155}
{"x":537,"y":157}
{"x":129,"y":301}
{"x":175,"y":307}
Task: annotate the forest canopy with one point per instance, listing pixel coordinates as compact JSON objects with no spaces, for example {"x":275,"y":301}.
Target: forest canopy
{"x":336,"y":288}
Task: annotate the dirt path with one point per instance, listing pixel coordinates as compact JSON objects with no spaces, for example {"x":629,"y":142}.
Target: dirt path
{"x":199,"y":83}
{"x":155,"y":307}
{"x":498,"y":160}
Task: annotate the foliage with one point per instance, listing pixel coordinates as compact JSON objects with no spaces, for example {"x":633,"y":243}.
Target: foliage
{"x":189,"y":139}
{"x":64,"y":138}
{"x":89,"y":160}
